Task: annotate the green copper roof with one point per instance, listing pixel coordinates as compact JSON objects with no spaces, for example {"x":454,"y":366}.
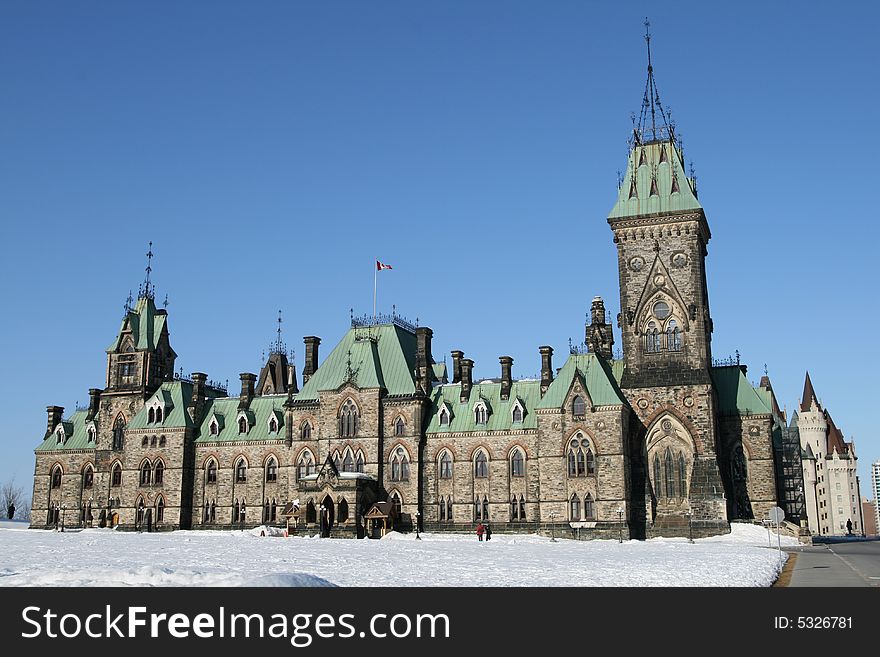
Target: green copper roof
{"x":597,"y":376}
{"x":617,"y":368}
{"x":500,"y":412}
{"x":146,"y":324}
{"x":382,"y":356}
{"x":736,"y":396}
{"x":76,"y":435}
{"x":175,"y":396}
{"x":648,"y":188}
{"x":226,"y":408}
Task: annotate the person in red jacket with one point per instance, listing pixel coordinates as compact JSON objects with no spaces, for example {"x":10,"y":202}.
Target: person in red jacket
{"x":480,"y":531}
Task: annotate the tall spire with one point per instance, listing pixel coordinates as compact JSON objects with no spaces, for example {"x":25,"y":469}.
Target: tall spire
{"x":651,"y":106}
{"x":147,"y":290}
{"x":809,"y":395}
{"x":279,"y":347}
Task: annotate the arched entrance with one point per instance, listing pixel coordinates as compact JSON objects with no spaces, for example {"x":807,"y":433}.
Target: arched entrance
{"x":328,"y":516}
{"x":114,"y":519}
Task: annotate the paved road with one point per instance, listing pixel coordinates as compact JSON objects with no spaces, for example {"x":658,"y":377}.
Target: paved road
{"x":837,"y":564}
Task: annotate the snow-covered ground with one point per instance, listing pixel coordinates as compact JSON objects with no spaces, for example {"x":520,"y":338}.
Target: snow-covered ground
{"x":103,"y":557}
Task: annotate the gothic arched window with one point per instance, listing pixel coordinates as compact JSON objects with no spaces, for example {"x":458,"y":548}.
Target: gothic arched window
{"x":517,"y":413}
{"x":658,"y":488}
{"x":348,"y":462}
{"x":56,"y":477}
{"x":242,"y":425}
{"x":481,"y":465}
{"x":444,"y":417}
{"x":306,"y":465}
{"x":211,"y":472}
{"x":273,"y":424}
{"x":116,"y":476}
{"x":589,"y":507}
{"x":359,"y":462}
{"x":445,"y":466}
{"x":581,"y":460}
{"x":481,"y":414}
{"x":673,"y":336}
{"x":517,"y":464}
{"x":399,"y":465}
{"x":348,"y":420}
{"x":118,"y":430}
{"x":399,"y":427}
{"x":395,"y":500}
{"x":668,"y":464}
{"x":578,"y":407}
{"x":271,"y":470}
{"x":160,"y":509}
{"x":682,"y":476}
{"x":306,"y":431}
{"x":575,"y":508}
{"x":88,"y":477}
{"x":652,"y":338}
{"x":159,"y":473}
{"x":240,"y":471}
{"x":590,"y":462}
{"x":146,"y":473}
{"x":214,"y":428}
{"x":151,"y":417}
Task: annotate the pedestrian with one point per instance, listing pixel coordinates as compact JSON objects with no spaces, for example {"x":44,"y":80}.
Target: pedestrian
{"x":488,"y":532}
{"x":849,"y":527}
{"x":10,"y":512}
{"x":480,"y":531}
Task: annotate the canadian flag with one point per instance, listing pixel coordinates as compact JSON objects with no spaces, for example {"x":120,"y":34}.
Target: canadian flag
{"x":380,"y":266}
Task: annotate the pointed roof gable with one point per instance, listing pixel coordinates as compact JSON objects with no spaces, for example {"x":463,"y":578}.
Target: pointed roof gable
{"x":736,"y":396}
{"x":146,"y":323}
{"x":653,"y":186}
{"x":808,"y":396}
{"x":835,"y":438}
{"x":597,"y":378}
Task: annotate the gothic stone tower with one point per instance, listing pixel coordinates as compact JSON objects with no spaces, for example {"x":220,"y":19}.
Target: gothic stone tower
{"x":661,"y":234}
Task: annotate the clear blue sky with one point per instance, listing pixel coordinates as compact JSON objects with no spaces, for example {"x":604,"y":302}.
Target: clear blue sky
{"x":272,"y":150}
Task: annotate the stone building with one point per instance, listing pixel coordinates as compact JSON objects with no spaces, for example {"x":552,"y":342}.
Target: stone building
{"x":659,"y":442}
{"x":829,"y":464}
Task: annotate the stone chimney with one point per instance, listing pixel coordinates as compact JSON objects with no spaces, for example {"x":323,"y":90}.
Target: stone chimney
{"x":292,"y":387}
{"x":248,"y":383}
{"x":56,"y":414}
{"x":599,"y":336}
{"x":506,"y":378}
{"x":546,"y":367}
{"x":424,"y":360}
{"x":94,"y":403}
{"x":456,"y":365}
{"x":197,"y":402}
{"x":467,"y":366}
{"x":310,"y":366}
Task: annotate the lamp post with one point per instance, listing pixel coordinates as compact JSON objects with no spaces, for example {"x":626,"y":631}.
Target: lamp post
{"x":690,"y":515}
{"x":552,"y":521}
{"x":418,"y":538}
{"x":620,"y":524}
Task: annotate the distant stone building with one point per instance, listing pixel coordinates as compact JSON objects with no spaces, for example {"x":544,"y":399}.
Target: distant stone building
{"x":829,"y":463}
{"x":661,"y":441}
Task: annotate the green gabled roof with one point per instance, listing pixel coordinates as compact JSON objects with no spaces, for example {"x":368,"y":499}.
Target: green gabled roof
{"x":597,"y":376}
{"x":146,"y":323}
{"x":439,"y":371}
{"x":382,"y":356}
{"x":644,"y":166}
{"x":500,"y":411}
{"x":76,"y":431}
{"x":258,"y":414}
{"x":617,"y":368}
{"x":176,"y":396}
{"x":736,"y":396}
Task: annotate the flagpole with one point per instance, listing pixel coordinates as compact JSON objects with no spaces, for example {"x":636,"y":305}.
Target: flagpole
{"x":375,"y":282}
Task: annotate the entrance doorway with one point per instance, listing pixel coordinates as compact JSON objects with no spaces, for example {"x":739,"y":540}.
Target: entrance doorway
{"x":328,"y":516}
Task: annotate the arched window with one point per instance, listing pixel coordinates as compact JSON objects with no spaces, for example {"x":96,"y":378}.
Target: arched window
{"x":336,"y":461}
{"x":153,"y":441}
{"x":271,"y":470}
{"x":243,"y":512}
{"x":517,"y":414}
{"x":348,"y":462}
{"x":399,"y":465}
{"x":481,"y":465}
{"x":93,"y":434}
{"x":481,"y":414}
{"x":658,"y":485}
{"x":88,"y":477}
{"x":273,"y":511}
{"x":151,"y":417}
{"x":159,"y":474}
{"x":160,"y":509}
{"x":266,"y":510}
{"x":116,"y":476}
{"x":59,"y":437}
{"x":359,"y":464}
{"x":522,"y":508}
{"x":118,"y":430}
{"x":578,"y":407}
{"x":444,"y":417}
{"x":306,"y":431}
{"x":668,"y":471}
{"x":273,"y":424}
{"x":399,"y":427}
{"x":591,"y":462}
{"x":449,"y":508}
{"x":240,"y":471}
{"x":145,"y":442}
{"x":517,"y":464}
{"x":514,"y":509}
{"x":161,"y":441}
{"x":485,"y":508}
{"x":478,"y":509}
{"x":445,"y":465}
{"x":214,"y":427}
{"x":342,"y":511}
{"x":396,"y":501}
{"x":242,"y":425}
{"x":575,"y":508}
{"x":348,"y":420}
{"x":146,"y":473}
{"x":652,"y":338}
{"x":682,"y":476}
{"x":305,"y":466}
{"x":311,"y":513}
{"x":56,"y":477}
{"x":673,"y":336}
{"x":159,"y":414}
{"x":441,"y":509}
{"x":211,"y":472}
{"x":589,"y":507}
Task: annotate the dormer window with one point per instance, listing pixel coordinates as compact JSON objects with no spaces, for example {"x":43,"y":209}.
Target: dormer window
{"x":273,"y":424}
{"x":214,"y":427}
{"x":93,"y":434}
{"x":151,"y":416}
{"x":242,"y":425}
{"x":518,"y":412}
{"x":159,"y":414}
{"x":59,"y":437}
{"x":481,"y":413}
{"x":444,"y":417}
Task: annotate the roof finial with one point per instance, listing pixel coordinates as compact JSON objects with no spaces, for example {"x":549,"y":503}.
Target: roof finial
{"x":278,"y":344}
{"x":651,"y":103}
{"x":165,"y":303}
{"x":147,"y":291}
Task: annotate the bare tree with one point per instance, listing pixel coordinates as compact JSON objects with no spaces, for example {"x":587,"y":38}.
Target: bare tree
{"x":12,"y":495}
